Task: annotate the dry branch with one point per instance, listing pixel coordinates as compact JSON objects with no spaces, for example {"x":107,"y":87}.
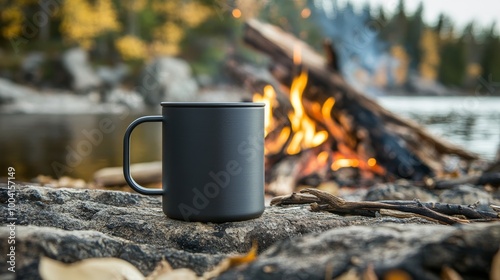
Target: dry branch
{"x":443,"y":213}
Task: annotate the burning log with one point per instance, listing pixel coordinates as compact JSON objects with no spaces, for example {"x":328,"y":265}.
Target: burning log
{"x":343,"y":127}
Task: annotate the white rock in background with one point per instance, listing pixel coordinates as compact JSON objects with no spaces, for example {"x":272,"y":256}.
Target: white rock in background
{"x":31,"y":67}
{"x":167,"y":79}
{"x":131,"y":99}
{"x":112,"y":77}
{"x":20,"y":99}
{"x":11,"y":92}
{"x":75,"y":61}
{"x":423,"y":86}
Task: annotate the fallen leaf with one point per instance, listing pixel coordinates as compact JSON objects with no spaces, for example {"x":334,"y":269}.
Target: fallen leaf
{"x":248,"y":258}
{"x":163,"y":267}
{"x":97,"y":268}
{"x":369,"y":273}
{"x":495,"y":267}
{"x":351,"y":274}
{"x":397,"y":274}
{"x":448,"y":273}
{"x":178,"y":274}
{"x":232,"y":262}
{"x":113,"y":268}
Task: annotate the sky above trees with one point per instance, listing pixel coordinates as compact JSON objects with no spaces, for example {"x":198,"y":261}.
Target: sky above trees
{"x":462,"y":12}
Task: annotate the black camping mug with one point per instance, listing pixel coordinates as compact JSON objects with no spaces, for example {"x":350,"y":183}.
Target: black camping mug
{"x":212,"y":161}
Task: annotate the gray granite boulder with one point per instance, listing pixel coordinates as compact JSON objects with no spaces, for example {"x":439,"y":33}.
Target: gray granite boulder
{"x":294,"y":243}
{"x":167,"y":79}
{"x":75,"y":62}
{"x":414,"y":251}
{"x":70,"y":225}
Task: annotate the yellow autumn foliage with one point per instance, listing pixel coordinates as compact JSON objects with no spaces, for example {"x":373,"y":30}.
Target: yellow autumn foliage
{"x":169,"y":32}
{"x":401,"y":72}
{"x":179,"y":15}
{"x":193,"y":14}
{"x":474,"y":70}
{"x":166,"y":7}
{"x":12,"y":20}
{"x":135,"y":5}
{"x":131,"y":48}
{"x":83,"y":21}
{"x":27,"y":2}
{"x":429,"y":45}
{"x":164,"y":48}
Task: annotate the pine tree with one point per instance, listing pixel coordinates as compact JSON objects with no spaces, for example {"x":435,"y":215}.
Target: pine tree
{"x":473,"y":56}
{"x":453,"y":65}
{"x":490,"y":59}
{"x":412,"y":37}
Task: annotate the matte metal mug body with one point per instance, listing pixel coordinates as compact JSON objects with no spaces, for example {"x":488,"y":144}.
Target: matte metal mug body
{"x":212,"y":160}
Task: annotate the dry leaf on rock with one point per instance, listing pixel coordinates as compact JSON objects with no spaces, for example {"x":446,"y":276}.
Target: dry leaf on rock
{"x":495,"y":267}
{"x":97,"y":268}
{"x":113,"y":268}
{"x":351,"y":274}
{"x":449,"y":273}
{"x":232,"y":262}
{"x":369,"y":273}
{"x":397,"y":274}
{"x":178,"y":274}
{"x":161,"y":268}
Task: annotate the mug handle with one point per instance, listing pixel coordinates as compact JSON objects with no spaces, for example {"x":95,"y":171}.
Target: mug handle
{"x":126,"y":156}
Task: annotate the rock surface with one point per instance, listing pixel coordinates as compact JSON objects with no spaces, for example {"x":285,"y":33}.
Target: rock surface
{"x":70,"y":225}
{"x":31,"y":67}
{"x":418,"y":251}
{"x":167,"y":79}
{"x":18,"y":99}
{"x":76,"y":62}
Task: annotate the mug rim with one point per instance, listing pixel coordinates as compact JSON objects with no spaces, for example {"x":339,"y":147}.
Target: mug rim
{"x":212,"y":104}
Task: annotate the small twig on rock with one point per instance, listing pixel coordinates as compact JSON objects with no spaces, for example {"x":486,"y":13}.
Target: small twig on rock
{"x":315,"y":207}
{"x":404,"y":215}
{"x":336,"y":203}
{"x":469,"y":211}
{"x":294,"y":198}
{"x":439,"y":212}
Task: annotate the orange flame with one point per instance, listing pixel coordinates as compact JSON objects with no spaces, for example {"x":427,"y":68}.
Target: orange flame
{"x":302,"y":133}
{"x":297,"y":54}
{"x":269,"y":98}
{"x":304,"y":128}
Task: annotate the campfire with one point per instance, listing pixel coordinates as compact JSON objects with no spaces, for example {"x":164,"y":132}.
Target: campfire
{"x":318,"y":127}
{"x":310,"y":130}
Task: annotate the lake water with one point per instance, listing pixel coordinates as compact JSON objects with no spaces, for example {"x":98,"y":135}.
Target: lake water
{"x":470,"y":122}
{"x":78,"y":145}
